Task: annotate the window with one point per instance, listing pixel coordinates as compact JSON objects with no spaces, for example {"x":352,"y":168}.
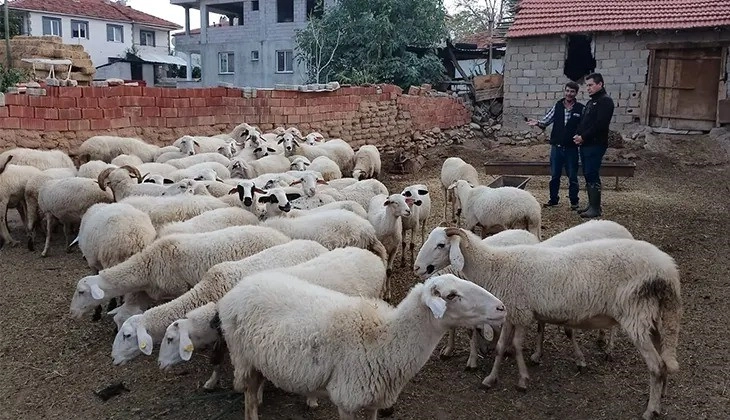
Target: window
{"x":285,"y":61}
{"x":114,"y":33}
{"x":285,"y":10}
{"x":51,"y":26}
{"x":79,"y":29}
{"x":255,"y":55}
{"x":225,"y":63}
{"x":315,"y":8}
{"x":580,"y":61}
{"x":147,"y":38}
{"x":255,"y":5}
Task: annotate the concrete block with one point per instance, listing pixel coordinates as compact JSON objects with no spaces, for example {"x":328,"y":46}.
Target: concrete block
{"x":532,"y":103}
{"x":543,"y":74}
{"x":531,"y":57}
{"x":525,"y":49}
{"x":553,"y":48}
{"x":556,"y":88}
{"x":639,"y":78}
{"x":610,"y":46}
{"x":550,"y":80}
{"x":640,"y":62}
{"x":624,"y":119}
{"x":514,"y":103}
{"x":523,"y":81}
{"x":529,"y":73}
{"x":523,"y":95}
{"x":616,"y":54}
{"x":625,"y":62}
{"x":523,"y":65}
{"x":605,"y":64}
{"x":538,"y":48}
{"x":545,"y":103}
{"x":529,"y":88}
{"x":558,"y":56}
{"x":542,"y":88}
{"x":634,"y":102}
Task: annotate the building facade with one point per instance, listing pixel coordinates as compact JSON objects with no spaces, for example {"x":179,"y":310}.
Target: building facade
{"x":254,"y":46}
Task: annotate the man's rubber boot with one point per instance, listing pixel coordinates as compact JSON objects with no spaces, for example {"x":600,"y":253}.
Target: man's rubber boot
{"x":585,"y":209}
{"x":594,"y":202}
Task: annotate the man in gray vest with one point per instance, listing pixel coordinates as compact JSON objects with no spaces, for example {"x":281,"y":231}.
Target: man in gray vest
{"x":564,"y":116}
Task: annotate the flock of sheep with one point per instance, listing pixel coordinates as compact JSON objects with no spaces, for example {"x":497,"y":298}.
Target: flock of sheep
{"x":261,"y":246}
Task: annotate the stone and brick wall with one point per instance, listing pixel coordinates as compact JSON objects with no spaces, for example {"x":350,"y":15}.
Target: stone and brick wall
{"x":534,"y":68}
{"x":381,"y":115}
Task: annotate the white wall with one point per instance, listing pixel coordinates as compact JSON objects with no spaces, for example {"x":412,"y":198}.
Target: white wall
{"x":162,"y":40}
{"x":97,"y":46}
{"x":121,"y":70}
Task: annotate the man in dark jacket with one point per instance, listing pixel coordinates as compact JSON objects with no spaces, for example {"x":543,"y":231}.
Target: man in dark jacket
{"x":592,"y":137}
{"x":564,"y":116}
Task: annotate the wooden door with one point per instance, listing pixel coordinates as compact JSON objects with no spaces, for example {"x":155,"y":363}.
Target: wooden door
{"x":684,"y":88}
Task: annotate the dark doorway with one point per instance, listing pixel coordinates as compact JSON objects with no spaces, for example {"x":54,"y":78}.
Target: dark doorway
{"x":136,"y":71}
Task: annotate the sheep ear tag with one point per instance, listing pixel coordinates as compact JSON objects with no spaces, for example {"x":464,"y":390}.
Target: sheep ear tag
{"x":144,"y":341}
{"x":437,"y":306}
{"x":455,"y":256}
{"x":96,"y":292}
{"x":487,"y":332}
{"x":186,"y":346}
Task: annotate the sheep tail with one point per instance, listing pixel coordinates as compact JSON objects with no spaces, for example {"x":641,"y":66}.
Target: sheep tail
{"x":671,"y":313}
{"x":377,"y":248}
{"x":75,"y":241}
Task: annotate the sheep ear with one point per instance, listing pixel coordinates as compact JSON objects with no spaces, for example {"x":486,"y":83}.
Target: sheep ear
{"x":436,"y":304}
{"x":271,"y":150}
{"x":265,"y":199}
{"x":256,"y":150}
{"x":455,"y":256}
{"x":298,"y":181}
{"x":196,"y":143}
{"x":386,"y":203}
{"x":258,"y":190}
{"x":144,"y":340}
{"x":96,"y":292}
{"x":322,"y":181}
{"x":295,"y":142}
{"x":148,"y":181}
{"x":292,"y":196}
{"x":452,"y":186}
{"x":241,"y":191}
{"x":168,"y":181}
{"x":306,"y":163}
{"x":281,"y":140}
{"x":422,"y":192}
{"x":186,"y":345}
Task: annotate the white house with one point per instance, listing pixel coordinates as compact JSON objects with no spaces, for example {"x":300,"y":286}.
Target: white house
{"x":108,"y":31}
{"x":254,"y":45}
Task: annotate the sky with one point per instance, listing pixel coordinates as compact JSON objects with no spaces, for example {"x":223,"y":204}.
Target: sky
{"x":163,"y":9}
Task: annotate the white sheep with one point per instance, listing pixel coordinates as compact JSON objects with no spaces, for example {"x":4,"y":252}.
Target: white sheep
{"x":269,"y":164}
{"x":156,"y":168}
{"x":420,"y":212}
{"x":156,"y":179}
{"x":188,"y":161}
{"x":496,"y":208}
{"x":175,"y":208}
{"x":336,"y":149}
{"x":205,"y":144}
{"x":341,"y":183}
{"x":299,"y":163}
{"x":343,"y":205}
{"x":359,"y":352}
{"x":129,"y":160}
{"x":331,"y":228}
{"x":596,"y":284}
{"x":210,"y":220}
{"x":126,"y":181}
{"x":327,"y":167}
{"x":362,"y":191}
{"x":171,"y":265}
{"x":218,"y":280}
{"x":452,"y":170}
{"x":13,"y":179}
{"x":351,"y":271}
{"x":314,"y":138}
{"x":32,"y":189}
{"x":66,"y":200}
{"x":384,"y":213}
{"x":41,"y":159}
{"x":209,"y":171}
{"x":106,"y":148}
{"x":93,"y":168}
{"x":367,"y":163}
{"x":277,"y":201}
{"x":186,"y":146}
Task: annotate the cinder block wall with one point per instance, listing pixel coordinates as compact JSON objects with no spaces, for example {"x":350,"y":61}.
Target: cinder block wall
{"x":534,"y":68}
{"x":380,"y":115}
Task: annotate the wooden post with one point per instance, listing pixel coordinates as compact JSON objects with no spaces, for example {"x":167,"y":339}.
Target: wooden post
{"x":7,"y":34}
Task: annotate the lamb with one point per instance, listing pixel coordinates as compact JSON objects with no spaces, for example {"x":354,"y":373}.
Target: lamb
{"x":351,"y":271}
{"x":327,"y":167}
{"x":268,"y":164}
{"x":247,"y":191}
{"x":13,"y":179}
{"x":500,"y":208}
{"x":188,"y":161}
{"x":202,"y":171}
{"x":93,"y":168}
{"x":452,"y":170}
{"x":128,"y":160}
{"x":596,"y":284}
{"x":120,"y":182}
{"x":336,"y":149}
{"x":313,"y":138}
{"x":106,"y":148}
{"x":205,"y":144}
{"x":420,"y":212}
{"x":186,"y":146}
{"x":218,"y":280}
{"x":150,"y":270}
{"x":41,"y":159}
{"x":384,"y":213}
{"x":367,"y":163}
{"x":66,"y":200}
{"x":210,"y":220}
{"x":363,"y":191}
{"x":277,"y":202}
{"x":32,"y":189}
{"x":333,"y":229}
{"x":177,"y":208}
{"x":262,"y":316}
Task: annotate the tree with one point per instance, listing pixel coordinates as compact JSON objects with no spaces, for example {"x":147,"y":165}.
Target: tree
{"x":366,"y":41}
{"x":462,"y":24}
{"x":16,"y":23}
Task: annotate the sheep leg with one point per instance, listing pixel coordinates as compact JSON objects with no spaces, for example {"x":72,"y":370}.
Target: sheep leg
{"x":219,"y":353}
{"x":657,"y":370}
{"x":580,"y":360}
{"x":609,"y":345}
{"x":345,"y":415}
{"x":423,"y":233}
{"x":446,"y":199}
{"x":371,"y":414}
{"x":30,"y":225}
{"x":403,"y":248}
{"x":537,"y":355}
{"x":517,"y":341}
{"x":67,"y":230}
{"x":471,"y":363}
{"x":50,"y":222}
{"x":505,"y":338}
{"x":312,"y":402}
{"x":4,"y":231}
{"x":252,"y":382}
{"x":448,"y":350}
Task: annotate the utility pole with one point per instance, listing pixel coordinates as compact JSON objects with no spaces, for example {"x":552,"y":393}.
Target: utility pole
{"x":7,"y":33}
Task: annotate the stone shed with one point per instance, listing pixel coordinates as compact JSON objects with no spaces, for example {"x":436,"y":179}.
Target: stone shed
{"x":665,"y":63}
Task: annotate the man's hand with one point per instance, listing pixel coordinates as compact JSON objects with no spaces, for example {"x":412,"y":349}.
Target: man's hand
{"x":578,"y":140}
{"x":532,"y":122}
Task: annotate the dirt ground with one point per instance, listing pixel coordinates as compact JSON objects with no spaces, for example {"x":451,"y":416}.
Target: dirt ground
{"x":51,"y":364}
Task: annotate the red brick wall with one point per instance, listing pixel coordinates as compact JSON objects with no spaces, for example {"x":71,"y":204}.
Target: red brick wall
{"x":66,"y":116}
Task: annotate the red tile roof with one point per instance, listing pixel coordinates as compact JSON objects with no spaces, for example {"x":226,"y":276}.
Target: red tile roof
{"x":481,"y":39}
{"x":98,"y":9}
{"x":543,"y":17}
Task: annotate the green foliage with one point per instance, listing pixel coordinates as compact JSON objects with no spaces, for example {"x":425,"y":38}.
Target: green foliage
{"x":9,"y":77}
{"x":364,"y":41}
{"x":16,"y":22}
{"x":465,"y":23}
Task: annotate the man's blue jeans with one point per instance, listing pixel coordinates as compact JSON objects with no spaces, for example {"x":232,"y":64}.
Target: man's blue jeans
{"x":564,"y":157}
{"x":591,"y":157}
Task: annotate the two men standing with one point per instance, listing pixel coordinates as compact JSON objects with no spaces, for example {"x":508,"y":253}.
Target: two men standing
{"x":579,"y":127}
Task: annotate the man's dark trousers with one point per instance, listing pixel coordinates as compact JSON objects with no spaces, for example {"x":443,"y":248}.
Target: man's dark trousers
{"x":564,"y":157}
{"x":591,"y":157}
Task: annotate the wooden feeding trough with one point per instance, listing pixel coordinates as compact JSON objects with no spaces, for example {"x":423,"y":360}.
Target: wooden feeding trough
{"x":510,"y":181}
